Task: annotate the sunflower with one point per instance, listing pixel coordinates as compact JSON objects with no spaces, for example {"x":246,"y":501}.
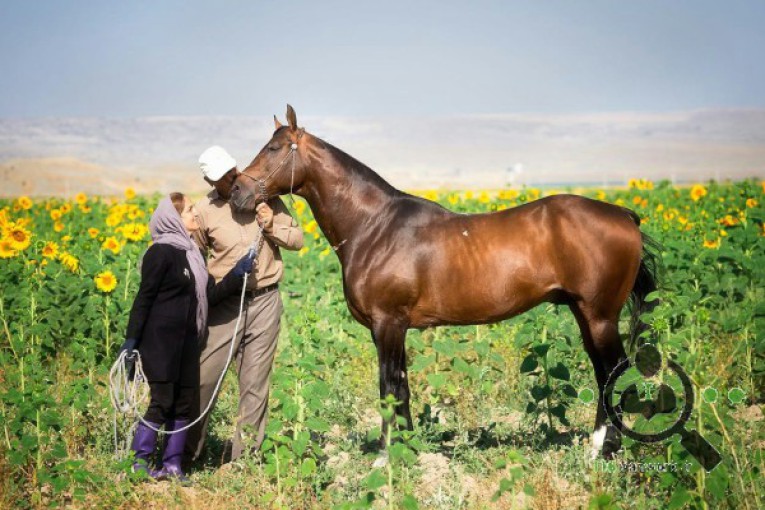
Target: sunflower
{"x":303,"y":251}
{"x":69,"y":261}
{"x":453,"y":199}
{"x":58,"y":226}
{"x":81,"y":198}
{"x":697,"y":191}
{"x":106,"y":281}
{"x":326,"y":251}
{"x":431,"y":195}
{"x":310,"y":227}
{"x":50,"y":250}
{"x":24,"y":202}
{"x":129,"y":193}
{"x":751,"y":202}
{"x":19,"y":237}
{"x":66,"y":208}
{"x":484,"y":198}
{"x":55,"y":214}
{"x":299,"y":207}
{"x":113,"y":220}
{"x":728,"y":220}
{"x":85,"y":209}
{"x":93,"y":232}
{"x":711,"y":244}
{"x":111,"y":244}
{"x":510,"y":194}
{"x":133,"y":231}
{"x":6,"y":249}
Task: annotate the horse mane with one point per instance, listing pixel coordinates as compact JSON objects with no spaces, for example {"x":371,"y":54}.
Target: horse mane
{"x":355,"y":167}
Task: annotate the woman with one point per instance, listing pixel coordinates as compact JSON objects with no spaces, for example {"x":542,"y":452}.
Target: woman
{"x":168,"y":318}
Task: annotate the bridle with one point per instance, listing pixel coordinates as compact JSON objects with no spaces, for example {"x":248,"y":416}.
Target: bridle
{"x":261,"y":183}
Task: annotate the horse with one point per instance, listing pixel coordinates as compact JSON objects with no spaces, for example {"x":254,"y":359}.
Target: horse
{"x":410,"y":263}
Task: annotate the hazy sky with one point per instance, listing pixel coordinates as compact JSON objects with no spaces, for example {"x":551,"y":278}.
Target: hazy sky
{"x":78,"y":58}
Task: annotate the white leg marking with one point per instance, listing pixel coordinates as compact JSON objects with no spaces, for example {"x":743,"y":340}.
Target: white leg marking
{"x":598,"y":437}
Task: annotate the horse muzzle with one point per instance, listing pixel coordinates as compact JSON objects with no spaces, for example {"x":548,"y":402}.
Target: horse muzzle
{"x":243,"y":199}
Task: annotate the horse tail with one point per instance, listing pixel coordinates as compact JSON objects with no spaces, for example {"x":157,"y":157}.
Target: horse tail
{"x":647,"y":281}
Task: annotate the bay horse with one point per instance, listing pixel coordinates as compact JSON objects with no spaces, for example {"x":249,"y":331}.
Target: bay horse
{"x":408,"y":262}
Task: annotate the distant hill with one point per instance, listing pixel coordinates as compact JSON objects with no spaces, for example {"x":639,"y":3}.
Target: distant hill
{"x":102,"y":155}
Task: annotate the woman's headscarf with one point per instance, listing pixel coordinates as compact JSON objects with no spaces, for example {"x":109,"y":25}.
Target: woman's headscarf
{"x":167,"y":227}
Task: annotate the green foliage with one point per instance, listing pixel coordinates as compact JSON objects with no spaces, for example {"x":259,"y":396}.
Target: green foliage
{"x":59,"y":334}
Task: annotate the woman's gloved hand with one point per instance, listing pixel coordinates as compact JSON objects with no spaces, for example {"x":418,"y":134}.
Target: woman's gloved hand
{"x":129,"y":347}
{"x":244,"y":266}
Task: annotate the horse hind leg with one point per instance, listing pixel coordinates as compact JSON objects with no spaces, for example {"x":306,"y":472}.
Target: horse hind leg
{"x":604,"y":347}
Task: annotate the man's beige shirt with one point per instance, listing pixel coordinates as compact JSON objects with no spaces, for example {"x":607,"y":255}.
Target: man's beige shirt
{"x":225,"y":235}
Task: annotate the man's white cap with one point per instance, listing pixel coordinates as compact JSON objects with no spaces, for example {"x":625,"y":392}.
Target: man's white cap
{"x":215,"y":162}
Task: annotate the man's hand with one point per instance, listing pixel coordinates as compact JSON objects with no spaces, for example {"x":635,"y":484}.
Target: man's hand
{"x":265,"y":216}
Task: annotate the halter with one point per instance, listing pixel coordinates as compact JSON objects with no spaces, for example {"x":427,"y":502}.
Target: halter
{"x":261,"y":183}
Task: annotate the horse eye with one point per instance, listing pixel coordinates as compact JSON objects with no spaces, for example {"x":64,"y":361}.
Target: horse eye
{"x":274,"y":147}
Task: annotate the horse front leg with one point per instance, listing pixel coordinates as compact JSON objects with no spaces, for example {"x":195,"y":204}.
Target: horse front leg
{"x":390,"y":340}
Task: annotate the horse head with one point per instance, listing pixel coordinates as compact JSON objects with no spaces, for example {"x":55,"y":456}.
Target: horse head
{"x":279,"y":168}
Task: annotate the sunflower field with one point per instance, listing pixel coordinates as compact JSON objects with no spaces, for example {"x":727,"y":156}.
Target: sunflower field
{"x":503,"y":412}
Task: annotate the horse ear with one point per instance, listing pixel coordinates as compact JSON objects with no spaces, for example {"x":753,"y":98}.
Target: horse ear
{"x":291,"y":117}
{"x":277,"y":124}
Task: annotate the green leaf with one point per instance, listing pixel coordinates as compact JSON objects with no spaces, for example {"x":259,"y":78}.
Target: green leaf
{"x":679,"y":498}
{"x":541,"y":349}
{"x":717,"y":482}
{"x":436,"y":380}
{"x":421,"y":362}
{"x":529,"y":364}
{"x":374,"y":434}
{"x":308,"y":467}
{"x":560,"y":371}
{"x":570,"y":391}
{"x":559,"y":411}
{"x":409,"y":503}
{"x":540,"y":392}
{"x":375,"y":480}
{"x":317,"y":425}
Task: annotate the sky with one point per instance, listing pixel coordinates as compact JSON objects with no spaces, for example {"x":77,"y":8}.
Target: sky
{"x":346,"y":58}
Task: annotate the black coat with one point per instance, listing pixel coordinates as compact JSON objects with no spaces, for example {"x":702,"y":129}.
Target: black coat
{"x":163,"y":317}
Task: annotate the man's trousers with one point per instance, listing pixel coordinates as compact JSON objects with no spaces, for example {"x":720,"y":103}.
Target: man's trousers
{"x":254,"y":356}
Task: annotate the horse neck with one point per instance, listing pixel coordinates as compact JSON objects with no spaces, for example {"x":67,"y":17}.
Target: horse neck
{"x":346,"y":196}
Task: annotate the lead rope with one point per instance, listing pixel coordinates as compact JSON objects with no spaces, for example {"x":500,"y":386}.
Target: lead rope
{"x":127,"y":395}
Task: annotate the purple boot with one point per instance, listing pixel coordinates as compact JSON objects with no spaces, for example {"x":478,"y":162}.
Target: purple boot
{"x":171,"y":461}
{"x":144,"y":444}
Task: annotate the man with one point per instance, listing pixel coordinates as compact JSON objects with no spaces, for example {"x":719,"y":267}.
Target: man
{"x":226,"y":235}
